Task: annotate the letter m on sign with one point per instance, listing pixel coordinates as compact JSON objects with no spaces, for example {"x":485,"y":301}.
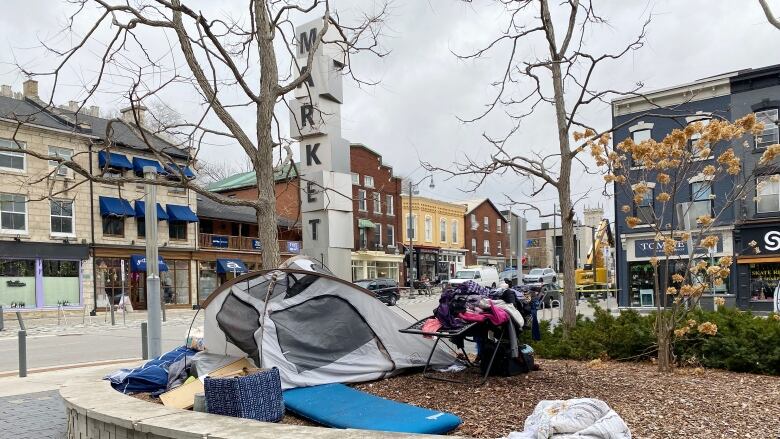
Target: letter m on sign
{"x":307,"y":41}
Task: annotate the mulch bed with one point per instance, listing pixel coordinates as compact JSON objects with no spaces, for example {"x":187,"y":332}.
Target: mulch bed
{"x":689,"y":403}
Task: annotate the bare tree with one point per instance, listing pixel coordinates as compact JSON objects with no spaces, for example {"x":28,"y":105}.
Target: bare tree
{"x":238,"y":67}
{"x":774,"y":21}
{"x":560,"y":76}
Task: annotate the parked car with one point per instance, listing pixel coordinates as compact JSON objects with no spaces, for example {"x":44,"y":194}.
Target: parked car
{"x":485,"y":276}
{"x":544,"y":276}
{"x":385,"y":290}
{"x":510,"y":275}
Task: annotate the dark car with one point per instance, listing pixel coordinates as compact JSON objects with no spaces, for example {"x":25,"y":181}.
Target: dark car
{"x":386,"y":290}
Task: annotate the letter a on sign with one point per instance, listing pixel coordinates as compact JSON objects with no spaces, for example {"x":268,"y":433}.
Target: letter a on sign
{"x":311,"y":155}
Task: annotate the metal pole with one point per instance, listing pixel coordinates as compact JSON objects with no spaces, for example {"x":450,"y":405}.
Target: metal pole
{"x":411,"y":225}
{"x":2,"y":319}
{"x":22,"y":353}
{"x":144,"y":341}
{"x":152,"y":266}
{"x":555,"y":239}
{"x":122,"y":299}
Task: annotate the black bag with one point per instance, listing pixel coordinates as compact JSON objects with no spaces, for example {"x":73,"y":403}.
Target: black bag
{"x":505,"y":364}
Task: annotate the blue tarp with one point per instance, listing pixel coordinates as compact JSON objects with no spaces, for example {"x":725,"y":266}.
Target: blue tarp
{"x":173,"y":169}
{"x":110,"y":206}
{"x":231,"y":266}
{"x":152,"y":377}
{"x":138,"y":263}
{"x":113,"y":160}
{"x":139,"y":164}
{"x":181,"y":213}
{"x":140,"y":211}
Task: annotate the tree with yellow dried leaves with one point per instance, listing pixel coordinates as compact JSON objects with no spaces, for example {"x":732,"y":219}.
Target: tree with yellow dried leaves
{"x":664,"y":170}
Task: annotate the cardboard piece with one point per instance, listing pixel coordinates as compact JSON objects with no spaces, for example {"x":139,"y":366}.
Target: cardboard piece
{"x":183,"y":397}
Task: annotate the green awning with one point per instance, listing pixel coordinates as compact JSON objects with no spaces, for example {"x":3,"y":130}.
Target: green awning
{"x":365,"y":224}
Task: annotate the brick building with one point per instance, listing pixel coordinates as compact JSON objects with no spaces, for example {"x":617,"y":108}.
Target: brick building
{"x":487,"y":236}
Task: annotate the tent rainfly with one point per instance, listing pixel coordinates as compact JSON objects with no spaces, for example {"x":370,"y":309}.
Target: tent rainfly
{"x":319,"y":329}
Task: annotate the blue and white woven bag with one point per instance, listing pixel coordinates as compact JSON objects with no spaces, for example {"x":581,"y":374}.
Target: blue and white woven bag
{"x":257,"y":396}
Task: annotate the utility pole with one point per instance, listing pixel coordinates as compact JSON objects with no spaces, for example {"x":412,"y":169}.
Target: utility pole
{"x":152,"y":266}
{"x":410,"y":229}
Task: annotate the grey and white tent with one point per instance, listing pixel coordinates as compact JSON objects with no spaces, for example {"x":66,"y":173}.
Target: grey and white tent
{"x":317,"y":329}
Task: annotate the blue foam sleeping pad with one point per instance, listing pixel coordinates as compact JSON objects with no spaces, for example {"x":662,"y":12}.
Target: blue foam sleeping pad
{"x":340,"y":406}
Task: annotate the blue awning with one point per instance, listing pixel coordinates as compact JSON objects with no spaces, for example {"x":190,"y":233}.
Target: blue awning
{"x":140,"y":211}
{"x":231,"y":266}
{"x":139,"y":164}
{"x":138,"y":263}
{"x":173,"y":170}
{"x":110,"y":206}
{"x":113,"y":160}
{"x":181,"y":213}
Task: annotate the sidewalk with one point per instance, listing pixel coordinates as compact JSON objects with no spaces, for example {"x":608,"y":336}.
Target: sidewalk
{"x":87,"y":323}
{"x":31,"y":407}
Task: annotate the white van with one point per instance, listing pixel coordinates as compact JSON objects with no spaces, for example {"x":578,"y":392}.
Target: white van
{"x":485,"y":276}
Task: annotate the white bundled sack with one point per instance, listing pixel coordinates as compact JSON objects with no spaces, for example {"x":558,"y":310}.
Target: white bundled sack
{"x":581,"y":418}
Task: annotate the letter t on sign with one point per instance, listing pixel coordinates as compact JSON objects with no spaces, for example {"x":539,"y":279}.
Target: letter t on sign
{"x":313,"y":223}
{"x":311,"y":154}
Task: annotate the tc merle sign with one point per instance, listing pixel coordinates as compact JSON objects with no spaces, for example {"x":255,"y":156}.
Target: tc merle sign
{"x":645,"y":248}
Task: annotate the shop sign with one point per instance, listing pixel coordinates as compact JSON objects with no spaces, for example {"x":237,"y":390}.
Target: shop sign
{"x":219,"y":241}
{"x":293,"y":247}
{"x":256,"y":244}
{"x":645,"y":248}
{"x":767,"y":240}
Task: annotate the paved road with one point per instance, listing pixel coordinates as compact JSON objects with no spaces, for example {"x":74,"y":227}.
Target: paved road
{"x":39,"y":415}
{"x":91,"y":344}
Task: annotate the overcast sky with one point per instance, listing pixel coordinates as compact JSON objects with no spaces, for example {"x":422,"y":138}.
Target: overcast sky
{"x":412,"y":115}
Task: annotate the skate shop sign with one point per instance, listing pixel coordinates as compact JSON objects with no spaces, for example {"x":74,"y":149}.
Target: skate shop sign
{"x":647,"y":248}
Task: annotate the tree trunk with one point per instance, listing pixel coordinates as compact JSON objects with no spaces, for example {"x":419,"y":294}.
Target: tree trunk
{"x":665,"y":354}
{"x":263,"y":161}
{"x":564,"y":178}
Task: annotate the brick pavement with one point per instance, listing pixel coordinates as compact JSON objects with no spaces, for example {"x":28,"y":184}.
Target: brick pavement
{"x":39,"y":415}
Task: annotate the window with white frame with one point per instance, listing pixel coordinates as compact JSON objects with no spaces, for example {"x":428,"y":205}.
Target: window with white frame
{"x":11,"y":159}
{"x":639,"y":136}
{"x":428,"y":229}
{"x":62,"y":153}
{"x":356,"y":179}
{"x":389,"y":205}
{"x":363,"y":238}
{"x":474,"y":223}
{"x":701,"y":196}
{"x":768,"y":193}
{"x":443,"y":229}
{"x":486,"y":223}
{"x":695,"y":144}
{"x":498,"y":247}
{"x":498,"y":225}
{"x":473,"y":245}
{"x":377,"y":202}
{"x":771,"y":133}
{"x":486,"y":247}
{"x":454,"y":231}
{"x":368,"y":181}
{"x":377,"y":235}
{"x":13,"y":213}
{"x":644,"y":209}
{"x":390,"y":235}
{"x":362,"y":200}
{"x":411,"y":226}
{"x":62,"y":217}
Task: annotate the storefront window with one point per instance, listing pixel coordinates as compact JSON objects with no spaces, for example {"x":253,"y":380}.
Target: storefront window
{"x":108,"y":281}
{"x":17,"y":283}
{"x":763,"y":281}
{"x":175,"y":283}
{"x":357,"y":270}
{"x":387,"y":270}
{"x":61,"y":283}
{"x":209,"y":281}
{"x":371,"y":269}
{"x":641,"y":284}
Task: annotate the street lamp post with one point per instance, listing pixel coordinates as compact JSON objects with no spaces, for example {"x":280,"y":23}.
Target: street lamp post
{"x":411,"y":229}
{"x":152,"y":266}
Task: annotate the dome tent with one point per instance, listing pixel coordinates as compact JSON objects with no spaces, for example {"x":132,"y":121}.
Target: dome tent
{"x":319,"y":329}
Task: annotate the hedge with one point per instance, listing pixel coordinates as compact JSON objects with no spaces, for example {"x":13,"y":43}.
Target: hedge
{"x":744,"y":342}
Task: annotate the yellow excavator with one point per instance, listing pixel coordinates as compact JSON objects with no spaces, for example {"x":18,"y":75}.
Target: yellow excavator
{"x":594,"y":273}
